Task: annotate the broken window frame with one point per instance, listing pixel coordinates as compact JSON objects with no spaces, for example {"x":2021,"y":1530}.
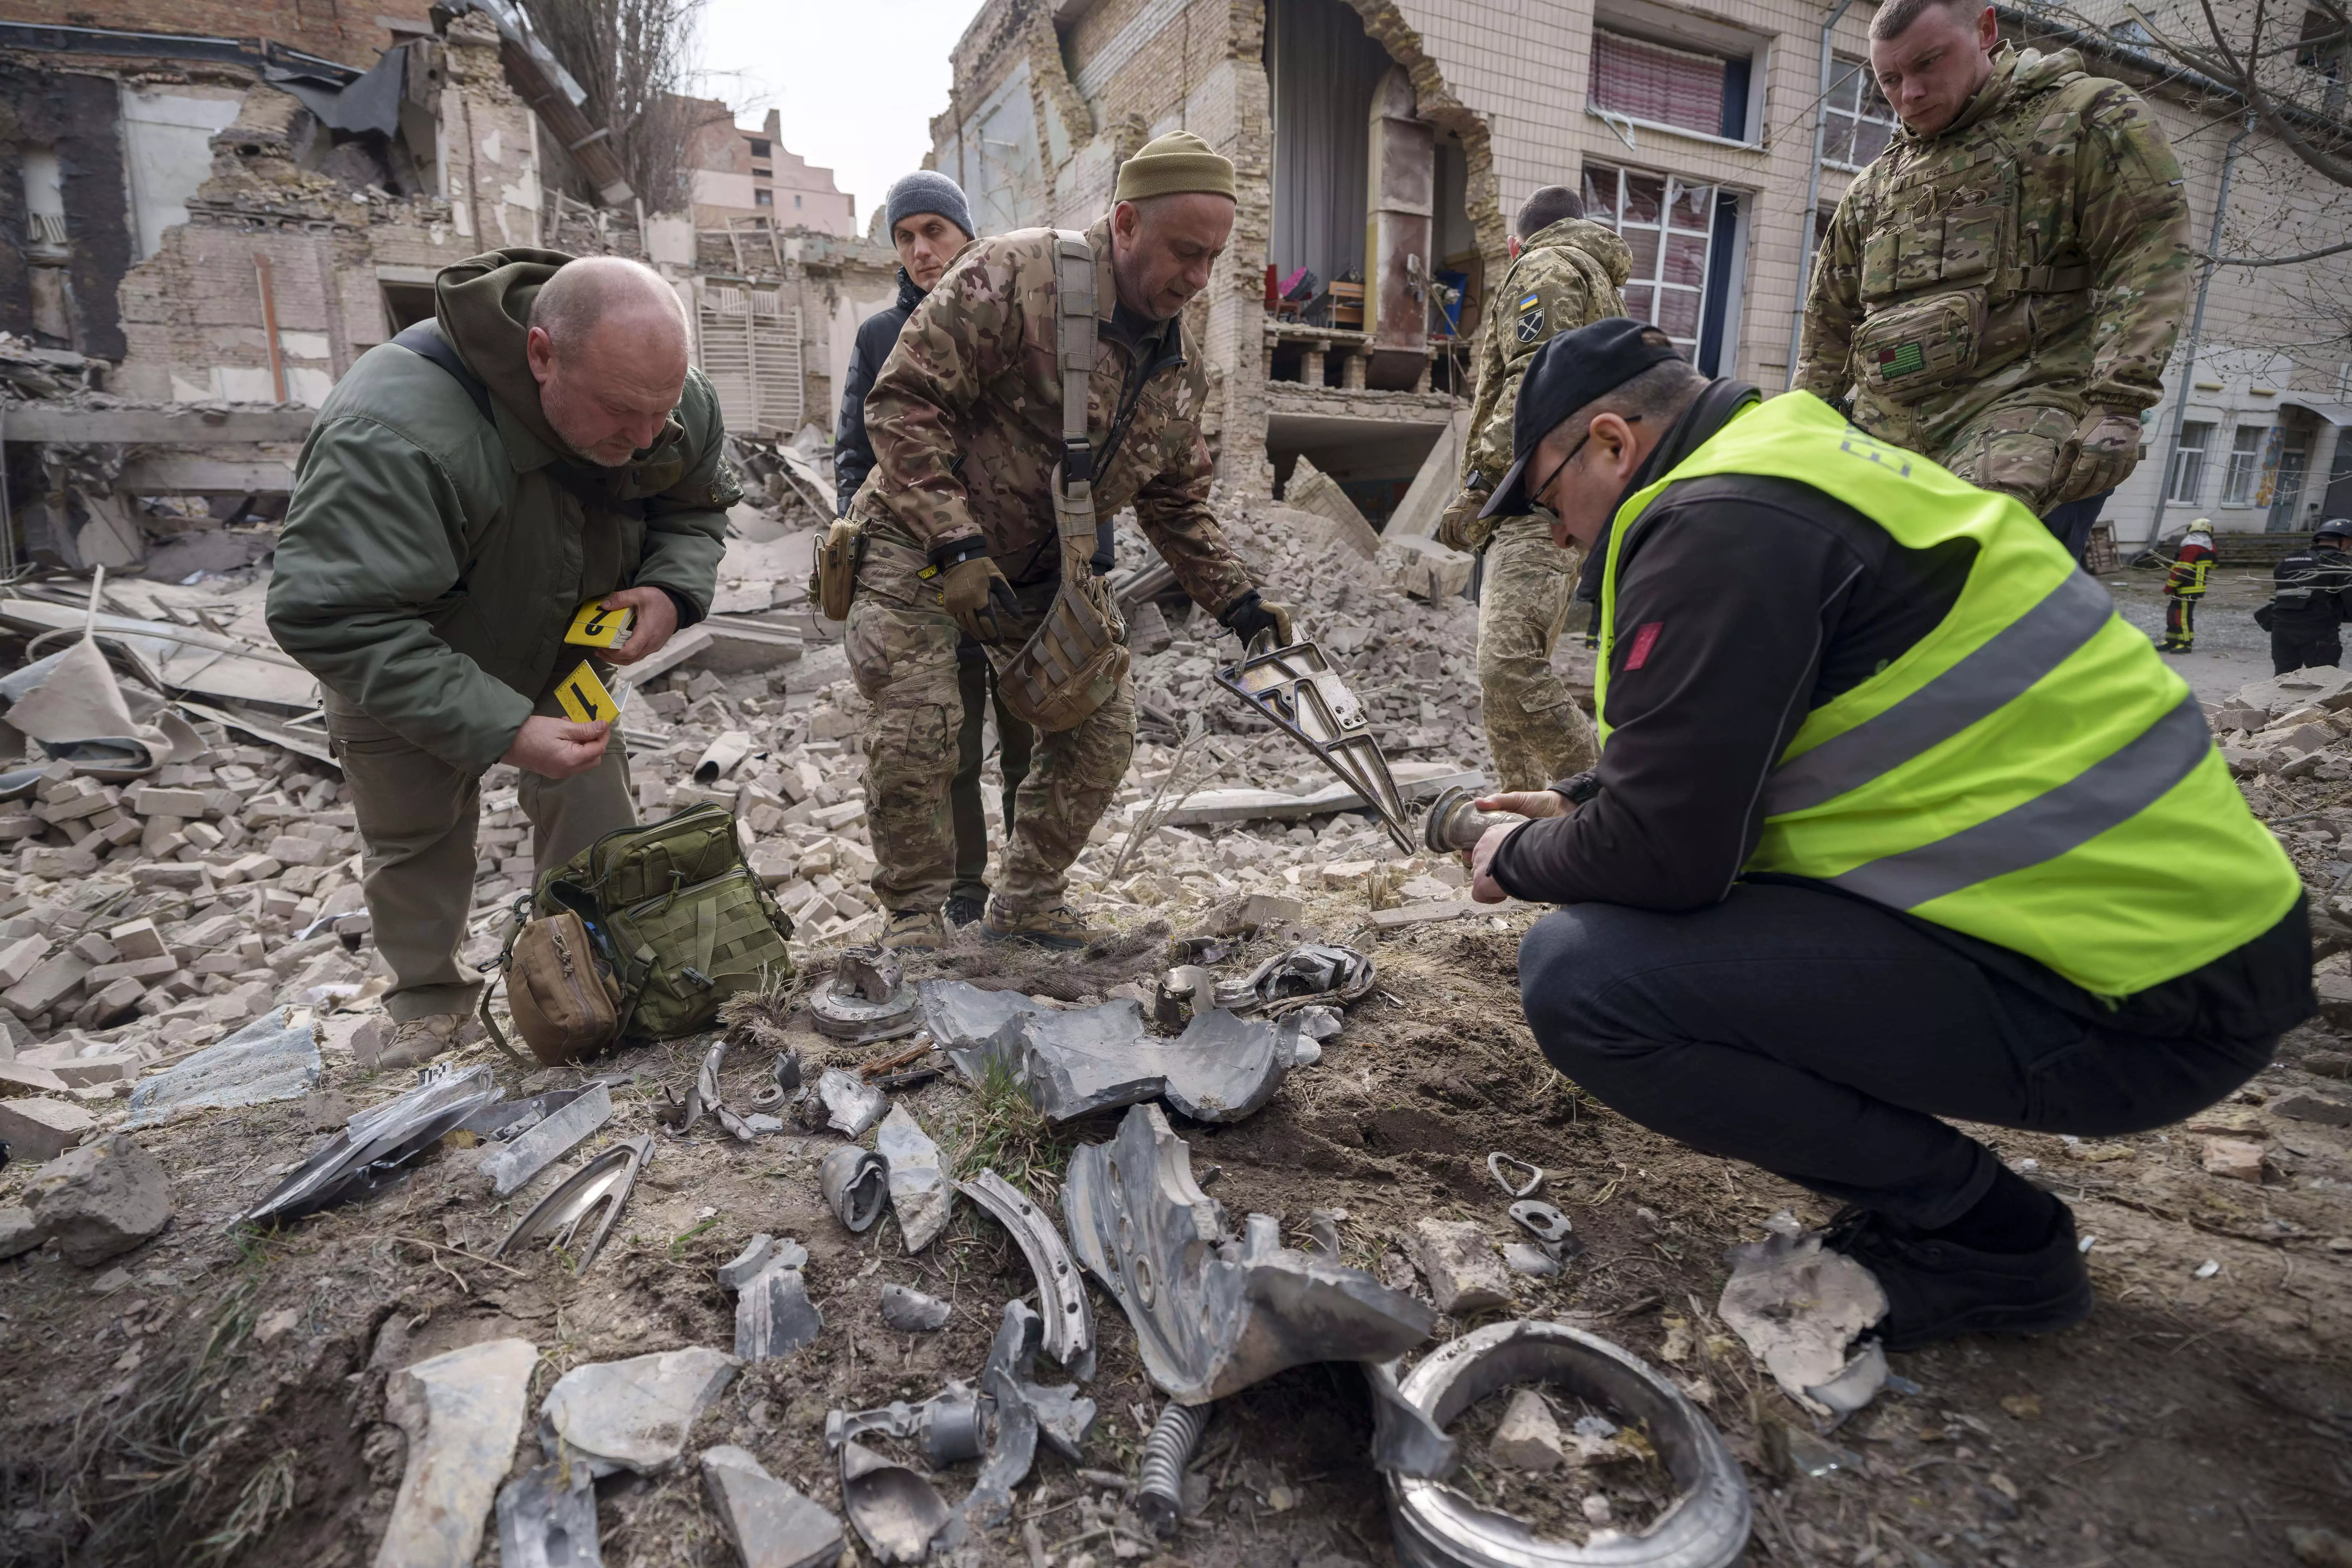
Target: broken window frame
{"x":1646,"y":290}
{"x":1854,"y":104}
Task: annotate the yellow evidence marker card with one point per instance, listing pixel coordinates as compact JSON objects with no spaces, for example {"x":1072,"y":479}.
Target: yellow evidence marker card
{"x":584,"y":698}
{"x":594,"y":626}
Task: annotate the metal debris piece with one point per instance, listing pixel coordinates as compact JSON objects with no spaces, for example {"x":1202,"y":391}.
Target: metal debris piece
{"x":1502,"y":1166}
{"x":911,"y":1312}
{"x":1549,"y":1228}
{"x":273,"y":1057}
{"x":856,"y":1181}
{"x":1064,"y":1415}
{"x":758,"y":1253}
{"x":1454,"y":824}
{"x":774,"y":1314}
{"x":867,"y":999}
{"x":1316,"y":1022}
{"x":1436,"y":1526}
{"x":770,"y":1523}
{"x":1799,"y":1308}
{"x":1013,"y":1445}
{"x":1405,"y":1441}
{"x":895,"y":1512}
{"x":1313,"y":974}
{"x":1181,"y":991}
{"x":632,"y":1415}
{"x":785,"y":1077}
{"x":704,"y":1096}
{"x":1299,"y":690}
{"x":1068,"y":1327}
{"x":510,"y":1166}
{"x":544,"y":1523}
{"x":920,"y":1194}
{"x":603,"y":1181}
{"x":851,"y":1104}
{"x":954,"y":1427}
{"x":462,"y":1412}
{"x":1213,"y":1315}
{"x":376,"y":1143}
{"x":1159,"y":1481}
{"x":1522,"y":1258}
{"x":1077,"y":1062}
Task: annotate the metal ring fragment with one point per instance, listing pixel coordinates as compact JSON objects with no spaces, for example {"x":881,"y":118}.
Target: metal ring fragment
{"x":1526,"y":1189}
{"x":1070,"y":1333}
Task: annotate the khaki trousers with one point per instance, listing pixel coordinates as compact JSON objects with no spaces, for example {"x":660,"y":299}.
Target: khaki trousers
{"x":1536,"y":732}
{"x":417,"y":817}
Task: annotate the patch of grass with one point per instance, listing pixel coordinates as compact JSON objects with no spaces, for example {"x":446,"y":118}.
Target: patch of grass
{"x":267,"y":1497}
{"x":1004,"y":1132}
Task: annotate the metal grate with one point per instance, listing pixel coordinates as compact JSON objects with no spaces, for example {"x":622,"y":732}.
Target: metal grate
{"x":750,"y":344}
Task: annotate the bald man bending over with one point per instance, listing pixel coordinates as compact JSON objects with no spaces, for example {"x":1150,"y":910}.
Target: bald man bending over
{"x":541,"y":443}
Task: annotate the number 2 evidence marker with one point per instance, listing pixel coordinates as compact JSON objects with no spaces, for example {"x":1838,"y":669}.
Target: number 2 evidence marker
{"x":594,"y":626}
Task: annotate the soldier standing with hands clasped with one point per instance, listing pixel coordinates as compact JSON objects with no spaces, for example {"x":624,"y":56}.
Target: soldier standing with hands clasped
{"x":2000,"y":289}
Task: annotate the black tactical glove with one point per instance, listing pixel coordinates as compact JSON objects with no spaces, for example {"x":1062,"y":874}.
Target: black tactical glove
{"x":1250,"y":614}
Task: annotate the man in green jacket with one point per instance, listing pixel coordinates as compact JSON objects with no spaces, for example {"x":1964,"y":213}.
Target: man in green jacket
{"x":467,"y":487}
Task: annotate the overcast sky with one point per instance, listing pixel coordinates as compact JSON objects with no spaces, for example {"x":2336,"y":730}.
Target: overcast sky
{"x":857,"y":81}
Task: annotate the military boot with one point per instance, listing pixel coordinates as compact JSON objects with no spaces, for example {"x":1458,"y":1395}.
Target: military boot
{"x":384,"y":1045}
{"x":914,"y":931}
{"x":1058,"y":928}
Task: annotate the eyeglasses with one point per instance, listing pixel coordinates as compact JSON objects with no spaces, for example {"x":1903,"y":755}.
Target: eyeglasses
{"x":1537,"y":494}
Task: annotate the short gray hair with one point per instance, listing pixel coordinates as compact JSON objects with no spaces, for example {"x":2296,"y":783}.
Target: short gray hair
{"x":582,"y":293}
{"x":1894,"y":18}
{"x":1657,"y":397}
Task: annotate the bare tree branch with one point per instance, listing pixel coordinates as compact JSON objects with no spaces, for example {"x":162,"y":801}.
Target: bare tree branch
{"x":2275,"y":260}
{"x":632,"y":58}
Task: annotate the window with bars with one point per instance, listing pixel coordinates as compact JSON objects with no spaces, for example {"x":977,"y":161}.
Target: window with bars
{"x":1857,"y":122}
{"x":2187,"y":480}
{"x":751,"y":344}
{"x":1667,"y":86}
{"x":1669,"y":226}
{"x":2246,"y":466}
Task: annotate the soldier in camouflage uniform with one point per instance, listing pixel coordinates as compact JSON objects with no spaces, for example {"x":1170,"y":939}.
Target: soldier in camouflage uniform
{"x":2001,"y":289}
{"x":959,"y":530}
{"x":1564,"y":274}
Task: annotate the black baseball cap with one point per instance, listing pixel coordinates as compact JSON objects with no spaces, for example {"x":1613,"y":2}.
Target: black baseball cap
{"x":1568,"y":373}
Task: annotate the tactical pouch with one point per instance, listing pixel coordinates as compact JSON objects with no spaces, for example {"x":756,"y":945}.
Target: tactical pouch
{"x":836,"y":568}
{"x":677,"y":921}
{"x":1075,"y":660}
{"x":1921,"y":345}
{"x":565,"y":1002}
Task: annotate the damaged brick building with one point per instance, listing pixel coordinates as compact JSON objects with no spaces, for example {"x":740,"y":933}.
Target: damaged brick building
{"x":1383,"y":144}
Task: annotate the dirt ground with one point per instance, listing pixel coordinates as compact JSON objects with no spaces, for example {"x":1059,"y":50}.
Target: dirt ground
{"x":221,"y":1400}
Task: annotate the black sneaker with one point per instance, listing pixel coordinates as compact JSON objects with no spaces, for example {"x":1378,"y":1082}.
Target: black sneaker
{"x":1938,"y":1290}
{"x":964,"y":908}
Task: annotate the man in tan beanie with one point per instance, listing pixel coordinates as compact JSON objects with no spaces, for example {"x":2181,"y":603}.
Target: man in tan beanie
{"x":959,"y":533}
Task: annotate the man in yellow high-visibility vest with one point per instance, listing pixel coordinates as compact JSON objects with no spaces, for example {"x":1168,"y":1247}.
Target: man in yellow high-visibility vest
{"x":1895,"y":820}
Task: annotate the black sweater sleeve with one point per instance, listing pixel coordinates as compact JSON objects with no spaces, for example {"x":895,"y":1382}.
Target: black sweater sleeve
{"x":1725,"y":605}
{"x":853,"y":454}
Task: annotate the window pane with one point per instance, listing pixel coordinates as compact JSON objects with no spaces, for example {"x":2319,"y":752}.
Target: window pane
{"x":1694,"y":207}
{"x":1870,"y":139}
{"x":1685,"y":259}
{"x":1601,"y":194}
{"x":1845,"y":92}
{"x":1650,"y":82}
{"x":1642,"y":195}
{"x":1678,"y":312}
{"x":1637,"y":302}
{"x":1643,"y":244}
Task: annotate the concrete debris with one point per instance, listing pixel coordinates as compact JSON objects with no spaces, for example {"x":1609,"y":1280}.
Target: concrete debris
{"x":275,"y":1056}
{"x":511,"y":1167}
{"x":462,"y":1412}
{"x":770,"y":1524}
{"x":39,"y":1128}
{"x":632,"y":1415}
{"x":1529,"y":1437}
{"x":1799,"y":1308}
{"x":856,"y":1182}
{"x":1460,"y":1263}
{"x":1212,"y":1319}
{"x":19,"y":1232}
{"x":1077,"y":1062}
{"x":101,"y":1200}
{"x":920,"y":1194}
{"x":603,"y":1184}
{"x":376,"y":1146}
{"x":911,"y":1311}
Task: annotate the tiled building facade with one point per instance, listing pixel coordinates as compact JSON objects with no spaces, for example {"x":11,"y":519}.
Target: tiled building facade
{"x":1690,"y":128}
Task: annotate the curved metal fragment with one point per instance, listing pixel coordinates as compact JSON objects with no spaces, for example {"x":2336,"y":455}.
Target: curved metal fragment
{"x":1069,"y":1328}
{"x":1502,"y":1166}
{"x":1213,"y":1315}
{"x":603,"y":1181}
{"x":896,"y":1513}
{"x":856,"y":1182}
{"x":378,"y":1142}
{"x":1436,"y":1526}
{"x":867,"y":999}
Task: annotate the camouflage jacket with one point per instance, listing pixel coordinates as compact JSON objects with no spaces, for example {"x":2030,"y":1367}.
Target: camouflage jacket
{"x":966,"y":421}
{"x":1566,"y":276}
{"x":2034,"y":251}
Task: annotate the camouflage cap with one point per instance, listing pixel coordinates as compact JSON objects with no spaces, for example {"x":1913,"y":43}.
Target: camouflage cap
{"x":1174,"y":164}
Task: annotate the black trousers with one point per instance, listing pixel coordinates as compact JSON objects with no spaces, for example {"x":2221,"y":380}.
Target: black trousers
{"x":2071,"y":522}
{"x":1013,"y":740}
{"x":2300,"y":650}
{"x":1823,"y":1038}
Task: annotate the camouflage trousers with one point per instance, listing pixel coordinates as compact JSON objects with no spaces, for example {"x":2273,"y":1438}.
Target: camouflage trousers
{"x":1534,"y":729}
{"x":902,"y":655}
